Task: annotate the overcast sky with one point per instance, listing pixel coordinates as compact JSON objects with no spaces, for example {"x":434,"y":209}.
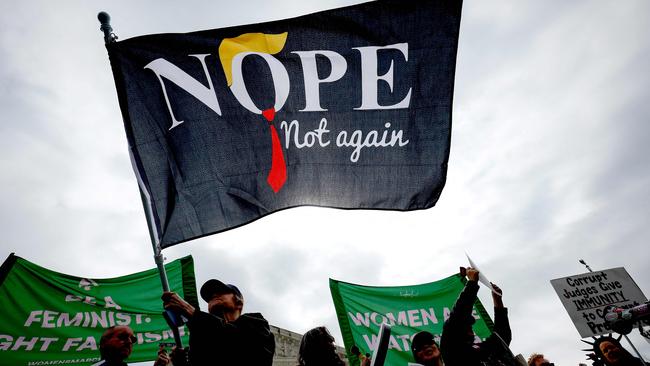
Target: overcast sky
{"x":550,"y":162}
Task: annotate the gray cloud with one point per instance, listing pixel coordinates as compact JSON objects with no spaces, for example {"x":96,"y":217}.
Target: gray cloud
{"x":549,"y":164}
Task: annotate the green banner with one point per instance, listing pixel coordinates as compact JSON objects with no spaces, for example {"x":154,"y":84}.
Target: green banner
{"x":408,"y":309}
{"x":50,"y":318}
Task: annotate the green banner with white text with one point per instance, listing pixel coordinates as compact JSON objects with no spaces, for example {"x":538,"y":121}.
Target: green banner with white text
{"x":408,"y":309}
{"x":50,"y":318}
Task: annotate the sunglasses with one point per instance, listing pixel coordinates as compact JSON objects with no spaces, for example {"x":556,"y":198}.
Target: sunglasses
{"x":420,"y":346}
{"x":126,"y":337}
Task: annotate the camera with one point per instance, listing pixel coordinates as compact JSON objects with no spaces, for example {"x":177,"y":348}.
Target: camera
{"x":622,"y":320}
{"x":166,"y":345}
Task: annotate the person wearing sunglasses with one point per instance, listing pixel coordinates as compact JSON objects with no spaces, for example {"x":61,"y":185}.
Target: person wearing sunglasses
{"x":426,"y":350}
{"x":116,"y":345}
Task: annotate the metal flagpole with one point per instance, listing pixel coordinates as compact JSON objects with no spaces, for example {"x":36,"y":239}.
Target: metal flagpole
{"x":110,"y":37}
{"x":159,"y":259}
{"x":105,"y":20}
{"x":624,"y":335}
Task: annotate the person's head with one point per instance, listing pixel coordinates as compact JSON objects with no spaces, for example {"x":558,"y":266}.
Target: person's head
{"x":425,"y":349}
{"x":117,"y":343}
{"x":222,"y":298}
{"x":610,"y":350}
{"x":317,"y":348}
{"x":538,"y":359}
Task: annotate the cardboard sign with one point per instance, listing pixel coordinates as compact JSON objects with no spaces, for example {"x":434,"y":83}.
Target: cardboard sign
{"x":482,"y":278}
{"x":585,"y":297}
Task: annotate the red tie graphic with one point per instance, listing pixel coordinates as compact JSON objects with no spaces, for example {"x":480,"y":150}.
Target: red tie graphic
{"x":278,"y":174}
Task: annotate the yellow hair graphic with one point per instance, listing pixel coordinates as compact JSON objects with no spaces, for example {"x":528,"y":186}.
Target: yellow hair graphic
{"x":248,"y":42}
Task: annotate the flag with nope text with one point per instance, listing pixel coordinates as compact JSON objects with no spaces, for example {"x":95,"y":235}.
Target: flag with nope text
{"x":346,"y":108}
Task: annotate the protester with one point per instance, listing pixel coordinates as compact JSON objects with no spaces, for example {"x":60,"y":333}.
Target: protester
{"x":425,"y":349}
{"x":115,"y":346}
{"x":163,"y":358}
{"x":458,"y":340}
{"x":538,"y":359}
{"x":364,"y":360}
{"x":317,"y":349}
{"x":180,"y":356}
{"x":224,"y":335}
{"x":610,"y":352}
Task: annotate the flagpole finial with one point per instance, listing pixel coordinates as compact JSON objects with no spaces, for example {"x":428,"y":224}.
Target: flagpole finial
{"x":582,"y":261}
{"x":105,"y":20}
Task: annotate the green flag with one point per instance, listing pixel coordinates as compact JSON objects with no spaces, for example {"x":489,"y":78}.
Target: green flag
{"x":408,"y":309}
{"x":50,"y":318}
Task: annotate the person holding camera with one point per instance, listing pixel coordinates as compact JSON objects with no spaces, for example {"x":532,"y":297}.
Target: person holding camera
{"x":458,"y":340}
{"x":223,"y":335}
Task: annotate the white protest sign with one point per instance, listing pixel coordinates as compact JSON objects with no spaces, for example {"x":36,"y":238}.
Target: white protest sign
{"x":481,"y":277}
{"x":585,"y":297}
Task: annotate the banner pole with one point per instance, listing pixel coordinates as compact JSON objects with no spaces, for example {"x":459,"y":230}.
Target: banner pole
{"x":173,"y":320}
{"x":624,"y":335}
{"x":105,"y":20}
{"x":110,"y":37}
{"x":159,"y":259}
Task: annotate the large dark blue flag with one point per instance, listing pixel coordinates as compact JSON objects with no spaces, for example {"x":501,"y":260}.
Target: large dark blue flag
{"x":346,"y":108}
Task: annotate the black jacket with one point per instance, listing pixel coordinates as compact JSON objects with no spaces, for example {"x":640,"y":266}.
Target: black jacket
{"x":246,"y":341}
{"x":458,"y":350}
